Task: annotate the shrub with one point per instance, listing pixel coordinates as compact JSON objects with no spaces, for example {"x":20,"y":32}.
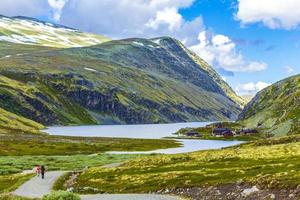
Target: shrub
{"x":11,"y":197}
{"x":61,"y":195}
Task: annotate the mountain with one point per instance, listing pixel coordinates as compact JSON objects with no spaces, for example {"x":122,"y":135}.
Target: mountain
{"x":121,"y":81}
{"x":277,"y":107}
{"x":24,"y":30}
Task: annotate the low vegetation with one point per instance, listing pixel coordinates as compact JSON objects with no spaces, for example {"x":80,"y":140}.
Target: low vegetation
{"x":13,"y":197}
{"x":11,"y":123}
{"x":16,"y":164}
{"x":10,"y":183}
{"x":271,"y":166}
{"x":276,"y":108}
{"x":39,"y":144}
{"x":61,"y":195}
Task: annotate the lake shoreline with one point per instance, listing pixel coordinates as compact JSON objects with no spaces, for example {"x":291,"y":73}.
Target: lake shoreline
{"x":147,"y":131}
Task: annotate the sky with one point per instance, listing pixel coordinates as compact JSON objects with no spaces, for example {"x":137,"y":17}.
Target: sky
{"x":251,"y":43}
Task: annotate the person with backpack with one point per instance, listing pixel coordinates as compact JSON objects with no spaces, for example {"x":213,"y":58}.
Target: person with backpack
{"x":37,"y":170}
{"x":43,"y":169}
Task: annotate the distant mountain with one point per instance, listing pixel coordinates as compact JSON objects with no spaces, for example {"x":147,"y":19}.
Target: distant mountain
{"x":248,"y":97}
{"x":122,"y":81}
{"x":277,"y":107}
{"x":24,"y":30}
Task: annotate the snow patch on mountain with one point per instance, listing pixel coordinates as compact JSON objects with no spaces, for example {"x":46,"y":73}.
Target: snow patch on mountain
{"x":90,"y":69}
{"x":34,"y":32}
{"x":138,"y":43}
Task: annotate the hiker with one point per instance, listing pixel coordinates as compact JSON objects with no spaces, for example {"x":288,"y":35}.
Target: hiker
{"x":43,"y":169}
{"x":37,"y":170}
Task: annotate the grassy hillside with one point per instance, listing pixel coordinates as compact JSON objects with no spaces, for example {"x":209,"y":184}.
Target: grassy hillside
{"x":24,"y":30}
{"x":270,"y":164}
{"x":125,"y":81}
{"x":276,"y":108}
{"x":11,"y":124}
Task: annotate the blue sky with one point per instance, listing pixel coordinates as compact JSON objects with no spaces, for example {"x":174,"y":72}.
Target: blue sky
{"x":251,"y":43}
{"x":279,"y":48}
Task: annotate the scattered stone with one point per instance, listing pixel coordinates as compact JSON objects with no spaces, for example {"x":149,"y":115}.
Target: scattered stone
{"x":291,"y":196}
{"x":272,"y":196}
{"x":248,"y":191}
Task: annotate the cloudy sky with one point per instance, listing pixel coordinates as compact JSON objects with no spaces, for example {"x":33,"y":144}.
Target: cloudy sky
{"x":251,"y":43}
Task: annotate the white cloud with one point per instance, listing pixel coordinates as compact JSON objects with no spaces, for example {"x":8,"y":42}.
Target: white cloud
{"x":251,"y":88}
{"x":57,"y":6}
{"x":29,"y":8}
{"x":272,"y":13}
{"x":32,"y":8}
{"x":289,"y":70}
{"x":143,"y":18}
{"x":168,"y":16}
{"x":123,"y":18}
{"x":220,"y":51}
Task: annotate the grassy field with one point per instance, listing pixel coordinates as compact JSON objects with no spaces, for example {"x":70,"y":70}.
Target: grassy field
{"x":16,"y":164}
{"x":39,"y":144}
{"x":12,"y":197}
{"x":9,"y":183}
{"x":12,"y":166}
{"x":271,"y":164}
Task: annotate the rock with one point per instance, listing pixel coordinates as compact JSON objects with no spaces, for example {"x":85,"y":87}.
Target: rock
{"x":291,"y":196}
{"x":248,"y":191}
{"x":272,"y":196}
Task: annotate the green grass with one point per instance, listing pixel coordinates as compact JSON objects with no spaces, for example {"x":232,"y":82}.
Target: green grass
{"x":12,"y":166}
{"x":16,"y":164}
{"x":60,"y":182}
{"x":39,"y":144}
{"x":11,"y":123}
{"x":276,"y":108}
{"x":13,"y":197}
{"x":10,"y":183}
{"x":272,"y":166}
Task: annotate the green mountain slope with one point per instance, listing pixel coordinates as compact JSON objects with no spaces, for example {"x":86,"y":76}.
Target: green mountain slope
{"x":122,"y":81}
{"x":24,"y":30}
{"x":125,"y":81}
{"x":277,"y":107}
{"x":12,"y":123}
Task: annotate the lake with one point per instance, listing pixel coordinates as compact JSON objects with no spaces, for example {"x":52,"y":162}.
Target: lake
{"x":144,"y":131}
{"x":189,"y":145}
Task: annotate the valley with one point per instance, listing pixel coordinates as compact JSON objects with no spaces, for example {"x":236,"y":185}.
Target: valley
{"x":146,"y":97}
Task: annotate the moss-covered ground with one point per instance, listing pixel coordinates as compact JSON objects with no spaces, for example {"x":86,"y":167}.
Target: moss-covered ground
{"x":272,"y":164}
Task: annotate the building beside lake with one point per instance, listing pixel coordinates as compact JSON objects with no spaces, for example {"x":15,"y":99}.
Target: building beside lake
{"x":222,"y":132}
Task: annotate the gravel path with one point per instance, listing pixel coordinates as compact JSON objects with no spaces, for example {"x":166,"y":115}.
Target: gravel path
{"x":38,"y":187}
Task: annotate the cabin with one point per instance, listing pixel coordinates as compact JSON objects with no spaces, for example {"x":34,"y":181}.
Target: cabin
{"x":193,"y":134}
{"x":222,"y":132}
{"x":247,"y":132}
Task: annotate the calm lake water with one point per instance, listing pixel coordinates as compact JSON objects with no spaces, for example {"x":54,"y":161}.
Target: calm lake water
{"x":145,"y":131}
{"x":189,"y":145}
